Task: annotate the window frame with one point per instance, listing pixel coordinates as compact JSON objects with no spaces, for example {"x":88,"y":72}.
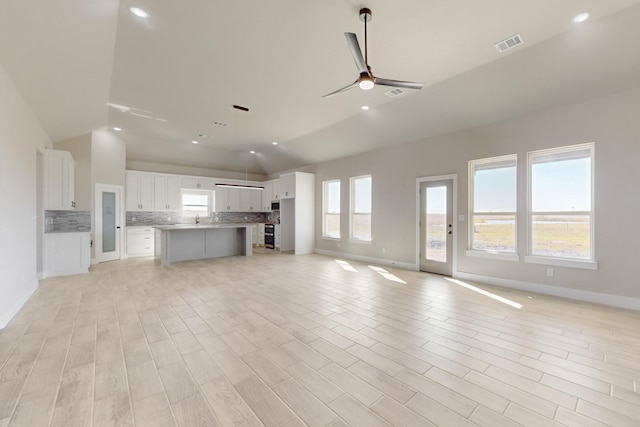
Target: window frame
{"x":325,"y":205}
{"x":558,"y":260}
{"x":353,"y":214}
{"x":494,"y":254}
{"x":210,"y":203}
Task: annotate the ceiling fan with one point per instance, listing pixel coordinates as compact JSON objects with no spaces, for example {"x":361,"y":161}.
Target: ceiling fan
{"x":367,"y":80}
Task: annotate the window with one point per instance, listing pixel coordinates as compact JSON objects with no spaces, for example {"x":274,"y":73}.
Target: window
{"x":196,"y":202}
{"x":331,"y":209}
{"x":561,"y":203}
{"x":492,"y":189}
{"x":360,"y":228}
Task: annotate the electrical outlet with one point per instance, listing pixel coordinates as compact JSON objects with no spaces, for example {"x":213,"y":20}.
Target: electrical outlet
{"x":550,"y":272}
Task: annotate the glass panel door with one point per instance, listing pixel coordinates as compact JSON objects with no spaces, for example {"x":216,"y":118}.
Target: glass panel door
{"x":436,"y":226}
{"x":108,"y":222}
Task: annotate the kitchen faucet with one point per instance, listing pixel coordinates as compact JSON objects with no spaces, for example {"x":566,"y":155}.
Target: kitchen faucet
{"x":197,"y":219}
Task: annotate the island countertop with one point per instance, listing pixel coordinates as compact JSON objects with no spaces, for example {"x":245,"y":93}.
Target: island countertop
{"x":202,"y":226}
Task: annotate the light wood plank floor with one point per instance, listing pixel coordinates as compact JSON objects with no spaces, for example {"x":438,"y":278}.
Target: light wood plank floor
{"x":283,"y":340}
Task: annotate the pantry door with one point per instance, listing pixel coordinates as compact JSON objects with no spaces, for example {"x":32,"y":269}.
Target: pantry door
{"x":108,"y":227}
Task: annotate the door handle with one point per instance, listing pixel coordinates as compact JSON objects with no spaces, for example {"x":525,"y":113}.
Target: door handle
{"x":118,"y":227}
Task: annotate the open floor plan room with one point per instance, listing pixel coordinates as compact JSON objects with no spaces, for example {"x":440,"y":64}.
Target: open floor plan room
{"x":310,"y":340}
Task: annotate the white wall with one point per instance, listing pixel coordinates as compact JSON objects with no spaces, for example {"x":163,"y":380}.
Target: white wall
{"x":21,"y":136}
{"x":611,"y":121}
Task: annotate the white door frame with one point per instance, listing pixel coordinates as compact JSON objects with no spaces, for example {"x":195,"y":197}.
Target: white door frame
{"x":454,"y":257}
{"x":118,"y":189}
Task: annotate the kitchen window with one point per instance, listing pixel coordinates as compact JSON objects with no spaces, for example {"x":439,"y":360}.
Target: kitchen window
{"x":492,"y":205}
{"x":197,"y":202}
{"x":560,"y":206}
{"x":331,"y":209}
{"x":360,"y":224}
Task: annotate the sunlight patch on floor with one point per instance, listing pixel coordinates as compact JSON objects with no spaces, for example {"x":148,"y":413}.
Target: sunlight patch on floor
{"x":345,"y":265}
{"x":384,"y":273}
{"x":485,"y":293}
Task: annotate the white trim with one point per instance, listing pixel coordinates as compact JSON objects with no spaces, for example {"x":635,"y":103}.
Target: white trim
{"x":574,"y":294}
{"x":370,"y":260}
{"x":502,"y":256}
{"x":454,"y":253}
{"x":587,"y":265}
{"x":15,"y":308}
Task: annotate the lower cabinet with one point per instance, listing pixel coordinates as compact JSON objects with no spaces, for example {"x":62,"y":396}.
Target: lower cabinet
{"x":67,"y":253}
{"x":261,"y":235}
{"x":140,"y":241}
{"x":277,"y":237}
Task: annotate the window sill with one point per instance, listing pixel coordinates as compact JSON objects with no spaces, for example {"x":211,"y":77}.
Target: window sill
{"x":335,"y":239}
{"x":361,"y":241}
{"x":587,"y":265}
{"x":494,"y":255}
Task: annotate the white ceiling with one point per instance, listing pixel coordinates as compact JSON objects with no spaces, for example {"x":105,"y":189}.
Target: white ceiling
{"x":187,"y":63}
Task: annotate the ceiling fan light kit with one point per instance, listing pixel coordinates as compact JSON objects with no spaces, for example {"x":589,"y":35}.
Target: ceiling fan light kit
{"x":367,"y":80}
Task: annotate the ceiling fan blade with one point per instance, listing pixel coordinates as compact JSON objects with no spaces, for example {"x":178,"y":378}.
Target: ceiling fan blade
{"x":397,"y":83}
{"x":346,"y":88}
{"x":352,"y":41}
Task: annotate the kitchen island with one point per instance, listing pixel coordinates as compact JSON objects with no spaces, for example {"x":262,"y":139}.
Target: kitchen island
{"x":184,"y":242}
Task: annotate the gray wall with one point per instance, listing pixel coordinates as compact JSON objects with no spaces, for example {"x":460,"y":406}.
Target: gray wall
{"x":611,"y":121}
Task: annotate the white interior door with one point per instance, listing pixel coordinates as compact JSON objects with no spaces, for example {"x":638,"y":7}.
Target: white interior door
{"x":108,"y":223}
{"x":436,"y":226}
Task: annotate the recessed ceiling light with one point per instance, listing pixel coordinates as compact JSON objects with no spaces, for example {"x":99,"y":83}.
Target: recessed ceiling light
{"x":275,"y":142}
{"x":194,"y":142}
{"x":138,"y":12}
{"x":365,"y":107}
{"x":581,"y":17}
{"x":117,"y":129}
{"x":252,"y":152}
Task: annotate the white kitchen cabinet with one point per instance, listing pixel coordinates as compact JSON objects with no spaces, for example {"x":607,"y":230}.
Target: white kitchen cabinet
{"x":197,"y":183}
{"x":140,"y":241}
{"x":260,"y":241}
{"x":277,"y":237}
{"x":67,"y":253}
{"x":59,"y":182}
{"x":276,"y":190}
{"x":227,"y":199}
{"x":287,"y":186}
{"x":250,"y":200}
{"x":267,"y":196}
{"x":139,"y":192}
{"x":167,"y":196}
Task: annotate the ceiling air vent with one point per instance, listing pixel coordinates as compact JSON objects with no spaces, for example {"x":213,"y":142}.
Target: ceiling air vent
{"x":509,"y":43}
{"x":394,"y":92}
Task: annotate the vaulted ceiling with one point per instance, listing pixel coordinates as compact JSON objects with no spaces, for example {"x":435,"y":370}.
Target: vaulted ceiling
{"x":167,"y":79}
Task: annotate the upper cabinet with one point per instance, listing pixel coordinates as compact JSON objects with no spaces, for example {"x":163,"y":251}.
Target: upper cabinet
{"x":267,"y":196}
{"x":250,"y":200}
{"x":59,"y":185}
{"x":287,"y":187}
{"x":139,"y":192}
{"x":167,"y":196}
{"x":227,"y":199}
{"x":196,"y":183}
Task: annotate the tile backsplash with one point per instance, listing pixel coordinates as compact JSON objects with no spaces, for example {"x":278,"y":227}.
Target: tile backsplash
{"x":167,"y":218}
{"x":66,"y":221}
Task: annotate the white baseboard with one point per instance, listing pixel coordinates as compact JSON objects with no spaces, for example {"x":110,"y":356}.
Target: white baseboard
{"x":379,"y":261}
{"x":20,"y":302}
{"x":575,"y":294}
